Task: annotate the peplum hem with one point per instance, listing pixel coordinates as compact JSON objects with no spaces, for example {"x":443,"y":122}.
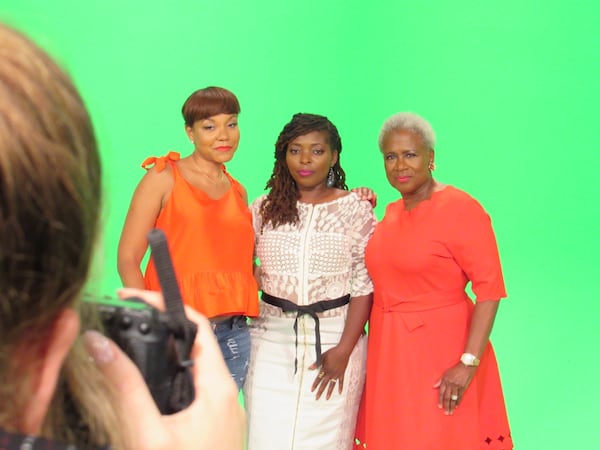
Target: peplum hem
{"x":220,"y":293}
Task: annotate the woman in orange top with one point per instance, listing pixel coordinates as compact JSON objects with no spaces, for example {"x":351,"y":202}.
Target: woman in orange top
{"x":432,"y":378}
{"x":203,"y":212}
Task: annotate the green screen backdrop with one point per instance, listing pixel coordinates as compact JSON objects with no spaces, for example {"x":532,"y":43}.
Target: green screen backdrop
{"x":510,"y":87}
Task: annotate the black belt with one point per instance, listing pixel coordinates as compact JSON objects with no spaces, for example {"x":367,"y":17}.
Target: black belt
{"x":227,"y":324}
{"x":311,"y":310}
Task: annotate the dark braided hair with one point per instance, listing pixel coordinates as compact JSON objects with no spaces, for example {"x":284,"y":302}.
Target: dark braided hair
{"x":279,"y":207}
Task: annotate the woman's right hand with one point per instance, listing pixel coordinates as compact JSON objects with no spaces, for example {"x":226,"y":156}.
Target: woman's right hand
{"x":331,"y":372}
{"x":366,"y":193}
{"x":215,"y":419}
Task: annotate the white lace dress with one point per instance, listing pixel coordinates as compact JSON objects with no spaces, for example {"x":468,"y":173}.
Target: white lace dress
{"x":321,"y":258}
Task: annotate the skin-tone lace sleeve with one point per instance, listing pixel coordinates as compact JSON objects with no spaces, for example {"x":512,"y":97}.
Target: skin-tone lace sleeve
{"x":364,"y":225}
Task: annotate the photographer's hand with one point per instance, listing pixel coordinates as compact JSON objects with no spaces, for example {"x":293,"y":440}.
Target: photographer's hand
{"x":215,"y":419}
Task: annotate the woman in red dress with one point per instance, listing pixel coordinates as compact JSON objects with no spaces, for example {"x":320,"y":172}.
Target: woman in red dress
{"x":432,"y":378}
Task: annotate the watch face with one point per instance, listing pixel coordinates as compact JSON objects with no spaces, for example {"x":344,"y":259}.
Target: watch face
{"x":469,"y":359}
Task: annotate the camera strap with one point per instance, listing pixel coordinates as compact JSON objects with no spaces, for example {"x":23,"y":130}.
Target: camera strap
{"x":182,"y":329}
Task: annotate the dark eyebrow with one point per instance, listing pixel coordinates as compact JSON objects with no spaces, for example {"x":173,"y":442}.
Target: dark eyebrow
{"x":311,"y":144}
{"x":231,"y":116}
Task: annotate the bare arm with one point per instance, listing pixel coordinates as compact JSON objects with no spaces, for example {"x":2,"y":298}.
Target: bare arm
{"x":455,"y":381}
{"x":335,"y":359}
{"x":146,"y":203}
{"x":475,"y":250}
{"x":358,"y":314}
{"x":481,"y":327}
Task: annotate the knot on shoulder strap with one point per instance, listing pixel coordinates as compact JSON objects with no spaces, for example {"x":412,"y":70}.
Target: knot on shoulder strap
{"x":160,"y":162}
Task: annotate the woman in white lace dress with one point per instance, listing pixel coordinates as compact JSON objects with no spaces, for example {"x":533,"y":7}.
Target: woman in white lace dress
{"x":307,"y":364}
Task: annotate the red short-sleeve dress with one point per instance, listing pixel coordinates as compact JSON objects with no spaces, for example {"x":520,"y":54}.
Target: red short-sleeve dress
{"x":421,"y":261}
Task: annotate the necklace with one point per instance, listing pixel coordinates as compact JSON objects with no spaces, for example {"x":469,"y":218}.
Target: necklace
{"x":216,"y":179}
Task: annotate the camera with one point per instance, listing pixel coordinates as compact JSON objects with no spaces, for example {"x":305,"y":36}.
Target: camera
{"x":143,"y":333}
{"x":159,"y":343}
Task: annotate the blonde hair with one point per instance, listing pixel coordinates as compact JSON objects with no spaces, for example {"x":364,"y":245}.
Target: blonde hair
{"x":49,"y":206}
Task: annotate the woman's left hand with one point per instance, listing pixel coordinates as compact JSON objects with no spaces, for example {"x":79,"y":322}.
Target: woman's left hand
{"x":452,"y":386}
{"x":331,"y":372}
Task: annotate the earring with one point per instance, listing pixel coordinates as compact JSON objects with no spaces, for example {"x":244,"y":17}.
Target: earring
{"x":431,"y":166}
{"x":331,"y":178}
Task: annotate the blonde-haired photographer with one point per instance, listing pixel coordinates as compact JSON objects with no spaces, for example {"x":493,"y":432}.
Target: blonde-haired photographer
{"x":60,"y":387}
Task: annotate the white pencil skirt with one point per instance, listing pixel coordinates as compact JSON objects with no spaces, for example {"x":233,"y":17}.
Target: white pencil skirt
{"x":283,"y":413}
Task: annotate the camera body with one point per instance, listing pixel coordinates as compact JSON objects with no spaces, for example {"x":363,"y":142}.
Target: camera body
{"x":159,"y":343}
{"x":146,"y":336}
{"x":142,"y":333}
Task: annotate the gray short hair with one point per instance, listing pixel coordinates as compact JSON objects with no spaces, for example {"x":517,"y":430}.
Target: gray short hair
{"x":408,"y":121}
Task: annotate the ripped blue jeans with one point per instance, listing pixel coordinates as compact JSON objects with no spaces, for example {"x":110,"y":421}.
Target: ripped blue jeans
{"x":234,"y":340}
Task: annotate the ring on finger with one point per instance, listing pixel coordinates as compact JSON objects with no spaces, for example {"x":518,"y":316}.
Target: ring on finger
{"x":321,"y":375}
{"x":454,"y":397}
{"x":333,"y":380}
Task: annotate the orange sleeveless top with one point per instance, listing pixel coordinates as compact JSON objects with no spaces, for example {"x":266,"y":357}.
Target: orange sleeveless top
{"x":211,"y":243}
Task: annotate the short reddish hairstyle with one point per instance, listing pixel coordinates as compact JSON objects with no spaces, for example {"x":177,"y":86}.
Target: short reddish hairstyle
{"x":208,"y":102}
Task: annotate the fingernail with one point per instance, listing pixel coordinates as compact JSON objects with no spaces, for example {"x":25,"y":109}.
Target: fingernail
{"x":98,"y":346}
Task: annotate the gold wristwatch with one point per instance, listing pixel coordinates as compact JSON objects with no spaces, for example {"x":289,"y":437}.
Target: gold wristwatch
{"x":469,"y":360}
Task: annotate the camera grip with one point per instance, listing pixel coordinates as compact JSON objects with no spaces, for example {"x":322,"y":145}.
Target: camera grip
{"x":144,"y":336}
